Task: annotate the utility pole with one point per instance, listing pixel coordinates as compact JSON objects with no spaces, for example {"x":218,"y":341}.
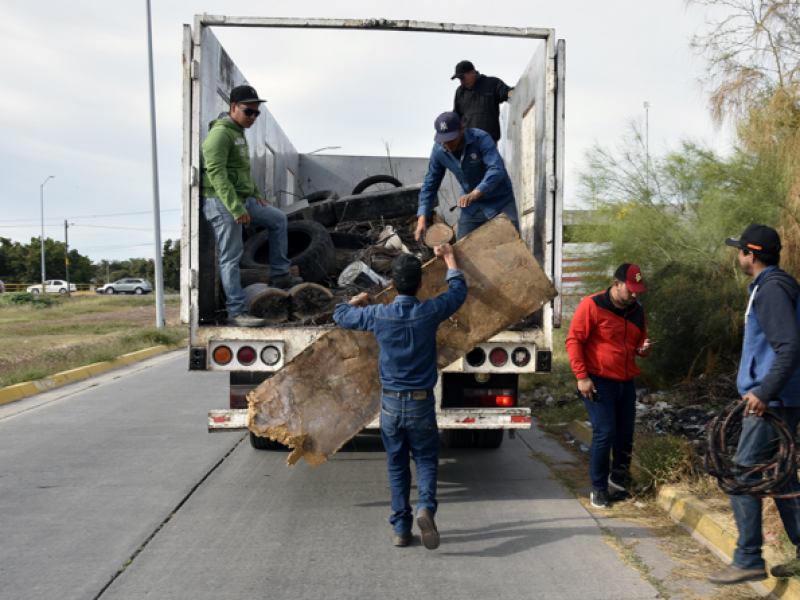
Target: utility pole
{"x":66,"y":252}
{"x":647,"y":145}
{"x":108,"y":277}
{"x":41,"y":203}
{"x":159,"y":277}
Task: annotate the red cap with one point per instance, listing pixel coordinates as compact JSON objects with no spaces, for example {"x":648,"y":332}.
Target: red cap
{"x":632,"y":276}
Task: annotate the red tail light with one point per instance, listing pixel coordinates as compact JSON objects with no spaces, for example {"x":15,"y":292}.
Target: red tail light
{"x":498,"y":357}
{"x":504,"y":401}
{"x":246,"y":355}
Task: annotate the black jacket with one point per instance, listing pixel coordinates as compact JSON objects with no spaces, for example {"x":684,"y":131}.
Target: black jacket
{"x":479,"y":106}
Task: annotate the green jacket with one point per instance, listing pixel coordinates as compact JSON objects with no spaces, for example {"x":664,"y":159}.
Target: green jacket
{"x":226,"y":166}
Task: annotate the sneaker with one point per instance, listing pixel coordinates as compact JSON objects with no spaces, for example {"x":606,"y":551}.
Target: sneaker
{"x":285,"y":281}
{"x":427,"y":527}
{"x":599,"y":498}
{"x":403,"y":540}
{"x":245,"y":319}
{"x":732,"y":575}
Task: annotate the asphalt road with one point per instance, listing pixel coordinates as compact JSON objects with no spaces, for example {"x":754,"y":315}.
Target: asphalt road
{"x":113,"y":489}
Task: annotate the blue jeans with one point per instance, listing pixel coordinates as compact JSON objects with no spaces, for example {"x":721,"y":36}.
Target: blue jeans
{"x":409,"y":426}
{"x":613,"y":418}
{"x":757,"y":444}
{"x":469,"y":223}
{"x":229,"y":243}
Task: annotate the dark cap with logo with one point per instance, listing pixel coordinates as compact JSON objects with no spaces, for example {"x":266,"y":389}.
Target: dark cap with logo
{"x":406,"y":271}
{"x":462,"y":69}
{"x":243,"y":94}
{"x":447,"y":125}
{"x":758,"y":238}
{"x":631,"y":276}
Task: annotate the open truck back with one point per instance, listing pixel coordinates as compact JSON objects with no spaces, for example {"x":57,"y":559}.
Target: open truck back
{"x":476,"y":396}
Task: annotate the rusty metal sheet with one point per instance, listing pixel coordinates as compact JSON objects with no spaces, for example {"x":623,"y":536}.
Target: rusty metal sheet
{"x":331,"y":390}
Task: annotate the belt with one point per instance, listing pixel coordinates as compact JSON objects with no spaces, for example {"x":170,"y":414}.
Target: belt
{"x":413,"y":394}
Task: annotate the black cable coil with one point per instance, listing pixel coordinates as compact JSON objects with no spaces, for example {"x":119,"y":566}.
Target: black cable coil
{"x":724,"y":432}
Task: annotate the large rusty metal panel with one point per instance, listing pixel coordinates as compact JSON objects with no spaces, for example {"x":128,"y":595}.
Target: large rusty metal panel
{"x":331,"y":390}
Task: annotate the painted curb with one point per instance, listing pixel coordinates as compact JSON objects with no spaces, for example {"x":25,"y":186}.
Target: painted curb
{"x":695,"y":516}
{"x":19,"y":391}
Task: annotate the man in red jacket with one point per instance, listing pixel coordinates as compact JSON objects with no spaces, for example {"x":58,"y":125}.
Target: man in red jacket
{"x":607,"y":333}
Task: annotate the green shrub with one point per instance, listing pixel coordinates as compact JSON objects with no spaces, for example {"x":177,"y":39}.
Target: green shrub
{"x":23,"y":298}
{"x":658,"y":460}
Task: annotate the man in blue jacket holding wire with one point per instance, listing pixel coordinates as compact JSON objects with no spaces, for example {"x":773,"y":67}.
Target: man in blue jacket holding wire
{"x":472,"y":156}
{"x":769,"y":375}
{"x":406,"y":334}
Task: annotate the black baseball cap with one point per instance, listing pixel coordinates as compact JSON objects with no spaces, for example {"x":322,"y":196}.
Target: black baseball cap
{"x":759,"y":238}
{"x":447,"y":125}
{"x":243,"y":94}
{"x":462,"y":69}
{"x":630,"y":275}
{"x":406,"y":271}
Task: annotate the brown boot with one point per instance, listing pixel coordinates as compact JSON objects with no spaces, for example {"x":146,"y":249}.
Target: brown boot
{"x":427,"y":527}
{"x":732,"y":575}
{"x":403,"y":540}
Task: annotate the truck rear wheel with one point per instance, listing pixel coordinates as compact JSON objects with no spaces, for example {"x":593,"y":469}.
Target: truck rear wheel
{"x":457,"y":438}
{"x":489,"y":438}
{"x":264,"y":443}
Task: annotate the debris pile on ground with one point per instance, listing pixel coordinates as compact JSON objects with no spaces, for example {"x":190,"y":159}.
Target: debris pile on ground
{"x":339,"y":246}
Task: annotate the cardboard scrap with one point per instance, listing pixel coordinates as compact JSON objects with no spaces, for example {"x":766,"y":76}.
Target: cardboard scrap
{"x":331,"y":390}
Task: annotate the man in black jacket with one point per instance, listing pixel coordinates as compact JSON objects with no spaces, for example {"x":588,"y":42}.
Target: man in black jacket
{"x":478,"y":99}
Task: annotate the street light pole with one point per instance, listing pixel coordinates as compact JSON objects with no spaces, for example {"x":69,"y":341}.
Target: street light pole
{"x":66,"y":252}
{"x":159,"y":277}
{"x":41,"y":202}
{"x":647,"y":144}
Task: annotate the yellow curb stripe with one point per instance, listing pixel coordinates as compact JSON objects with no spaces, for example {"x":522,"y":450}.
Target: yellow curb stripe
{"x":19,"y":391}
{"x":694,"y":515}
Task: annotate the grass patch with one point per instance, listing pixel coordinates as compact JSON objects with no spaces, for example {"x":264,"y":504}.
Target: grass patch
{"x":73,"y":329}
{"x":629,"y":556}
{"x":543,"y":458}
{"x":549,"y":417}
{"x":31,"y":300}
{"x":71,"y":307}
{"x":658,"y":460}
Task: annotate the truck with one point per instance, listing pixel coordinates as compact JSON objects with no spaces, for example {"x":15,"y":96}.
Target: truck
{"x":477,"y":397}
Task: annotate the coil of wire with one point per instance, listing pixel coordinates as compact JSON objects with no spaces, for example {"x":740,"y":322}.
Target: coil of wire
{"x":762,"y":480}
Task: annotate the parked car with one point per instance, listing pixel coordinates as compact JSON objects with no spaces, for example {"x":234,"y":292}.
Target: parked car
{"x":126,"y":286}
{"x":52,"y":286}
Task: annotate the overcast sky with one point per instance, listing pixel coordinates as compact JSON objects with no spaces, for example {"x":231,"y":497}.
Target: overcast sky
{"x":74,"y":103}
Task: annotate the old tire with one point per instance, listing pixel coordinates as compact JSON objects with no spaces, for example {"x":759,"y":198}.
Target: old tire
{"x":348,"y":241}
{"x":489,"y":438}
{"x":310,"y":248}
{"x":388,"y":204}
{"x":321,"y":196}
{"x":457,"y":438}
{"x":375,"y":179}
{"x":264,"y":443}
{"x":323,"y":213}
{"x":251,"y":276}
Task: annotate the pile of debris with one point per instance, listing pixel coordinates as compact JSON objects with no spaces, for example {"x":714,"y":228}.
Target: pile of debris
{"x":339,"y":246}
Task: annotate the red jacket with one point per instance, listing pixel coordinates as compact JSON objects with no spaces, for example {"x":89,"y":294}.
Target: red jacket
{"x":603,"y":339}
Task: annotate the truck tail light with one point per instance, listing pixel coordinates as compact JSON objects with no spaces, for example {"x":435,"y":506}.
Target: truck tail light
{"x":246,"y":355}
{"x":270,"y":356}
{"x":520,"y":357}
{"x":476,"y":357}
{"x":498,"y":357}
{"x":222,"y":355}
{"x":504,"y":401}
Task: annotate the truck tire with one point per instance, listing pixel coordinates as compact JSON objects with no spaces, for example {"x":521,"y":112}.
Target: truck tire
{"x":457,"y":438}
{"x":375,"y":179}
{"x":251,"y":276}
{"x":264,"y":443}
{"x":489,"y":438}
{"x":323,"y":213}
{"x":387,"y":204}
{"x":348,"y":241}
{"x":321,"y":196}
{"x":310,"y":249}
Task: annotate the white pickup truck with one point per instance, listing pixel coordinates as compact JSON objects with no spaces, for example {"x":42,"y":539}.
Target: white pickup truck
{"x":476,"y":396}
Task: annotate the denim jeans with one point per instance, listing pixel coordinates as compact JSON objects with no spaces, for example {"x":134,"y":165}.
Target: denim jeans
{"x":409,"y":426}
{"x":229,"y":243}
{"x":757,"y":444}
{"x":469,"y":223}
{"x":613,"y":418}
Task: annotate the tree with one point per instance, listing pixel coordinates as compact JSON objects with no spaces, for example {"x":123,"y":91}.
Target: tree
{"x":171,"y":261}
{"x":22,"y":263}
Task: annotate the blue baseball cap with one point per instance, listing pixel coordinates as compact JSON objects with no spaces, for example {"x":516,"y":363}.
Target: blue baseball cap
{"x":447,"y":124}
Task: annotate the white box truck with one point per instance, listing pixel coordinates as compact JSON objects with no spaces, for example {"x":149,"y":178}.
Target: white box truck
{"x":477,"y":396}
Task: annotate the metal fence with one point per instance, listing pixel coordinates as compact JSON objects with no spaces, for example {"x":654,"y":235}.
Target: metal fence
{"x":21,"y":287}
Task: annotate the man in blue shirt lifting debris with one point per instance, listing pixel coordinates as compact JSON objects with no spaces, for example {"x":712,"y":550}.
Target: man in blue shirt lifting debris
{"x":406,"y":334}
{"x":472,"y":156}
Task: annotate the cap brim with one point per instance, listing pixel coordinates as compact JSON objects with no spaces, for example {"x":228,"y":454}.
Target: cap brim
{"x":733,"y":242}
{"x":252,"y":100}
{"x":446,"y":137}
{"x":636,"y":288}
{"x":456,"y":76}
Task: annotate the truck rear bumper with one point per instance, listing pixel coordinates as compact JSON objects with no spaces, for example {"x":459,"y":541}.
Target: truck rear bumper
{"x":235,"y":419}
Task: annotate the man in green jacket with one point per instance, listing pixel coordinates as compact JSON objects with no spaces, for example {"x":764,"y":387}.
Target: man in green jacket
{"x":232,"y":199}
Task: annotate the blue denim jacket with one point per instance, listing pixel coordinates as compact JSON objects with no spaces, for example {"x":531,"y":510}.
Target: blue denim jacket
{"x":481,"y":167}
{"x":406,"y":333}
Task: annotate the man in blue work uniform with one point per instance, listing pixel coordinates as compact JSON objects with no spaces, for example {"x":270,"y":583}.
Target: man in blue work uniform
{"x":472,"y":156}
{"x":769,"y":373}
{"x":406,"y":334}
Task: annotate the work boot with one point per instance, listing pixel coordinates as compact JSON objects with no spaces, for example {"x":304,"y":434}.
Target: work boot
{"x":732,"y":575}
{"x":284,"y":281}
{"x":789,"y":569}
{"x":427,"y":527}
{"x":245,"y":319}
{"x":599,"y":498}
{"x":403,"y":540}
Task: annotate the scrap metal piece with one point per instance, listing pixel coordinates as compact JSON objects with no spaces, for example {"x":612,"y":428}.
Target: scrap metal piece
{"x":332,"y":390}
